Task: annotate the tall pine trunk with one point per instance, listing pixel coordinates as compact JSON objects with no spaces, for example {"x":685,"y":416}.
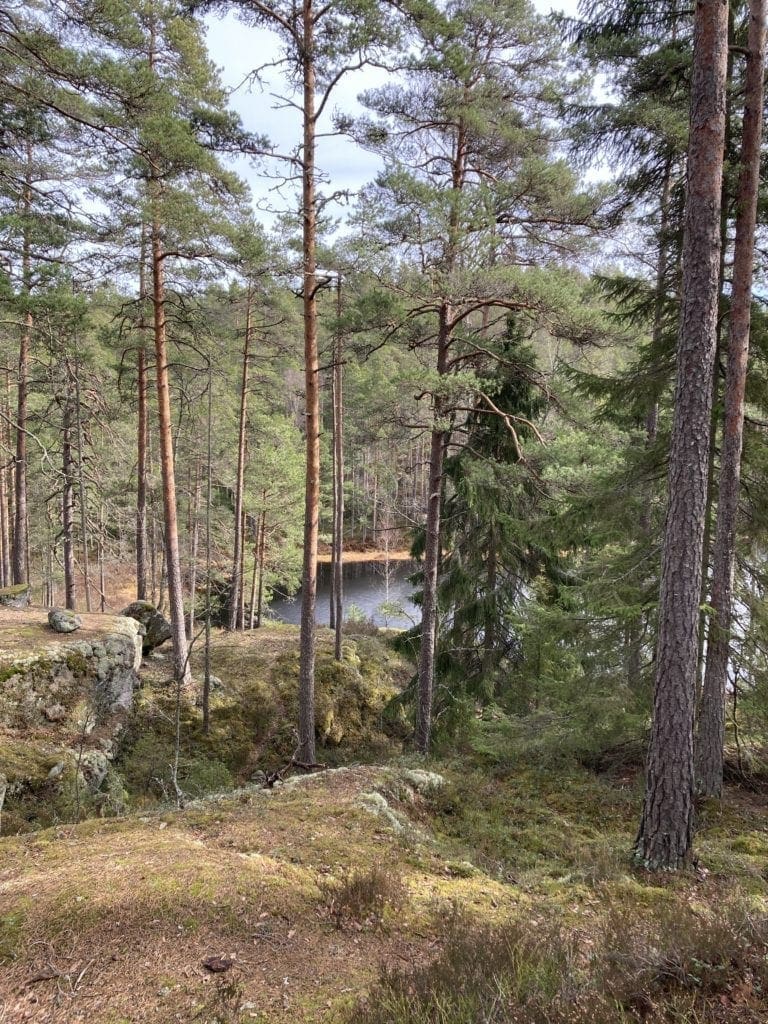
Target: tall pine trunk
{"x":426,"y":670}
{"x":666,"y":828}
{"x":19,"y":553}
{"x":262,"y":550}
{"x":434,"y":497}
{"x":172,"y":559}
{"x":142,"y":440}
{"x":312,"y":397}
{"x":711,"y":724}
{"x":237,"y":555}
{"x":68,"y":505}
{"x":194,"y":537}
{"x":337,"y":567}
{"x":208,"y":502}
{"x":82,"y":492}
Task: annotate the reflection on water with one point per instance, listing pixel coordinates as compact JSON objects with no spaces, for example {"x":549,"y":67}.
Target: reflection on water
{"x":379,"y":589}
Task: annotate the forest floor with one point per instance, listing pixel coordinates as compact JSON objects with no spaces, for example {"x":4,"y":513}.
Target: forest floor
{"x":374,"y":894}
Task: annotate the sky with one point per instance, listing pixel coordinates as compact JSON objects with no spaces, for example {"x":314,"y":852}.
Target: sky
{"x":237,"y":49}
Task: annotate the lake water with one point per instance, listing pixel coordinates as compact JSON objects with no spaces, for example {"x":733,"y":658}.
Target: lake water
{"x":373,"y":587}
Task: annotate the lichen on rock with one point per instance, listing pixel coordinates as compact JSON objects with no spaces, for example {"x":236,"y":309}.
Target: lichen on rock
{"x":61,"y":620}
{"x":157,"y":629}
{"x":63,"y":704}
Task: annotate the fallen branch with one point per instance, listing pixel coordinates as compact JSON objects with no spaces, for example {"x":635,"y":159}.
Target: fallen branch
{"x":271,"y":778}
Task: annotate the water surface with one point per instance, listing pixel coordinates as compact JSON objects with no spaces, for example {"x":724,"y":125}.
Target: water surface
{"x":380,"y":590}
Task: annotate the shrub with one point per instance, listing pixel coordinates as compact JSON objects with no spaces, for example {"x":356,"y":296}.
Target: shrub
{"x":680,"y":965}
{"x":363,"y":896}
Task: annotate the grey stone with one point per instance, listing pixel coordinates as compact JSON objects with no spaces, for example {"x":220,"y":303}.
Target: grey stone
{"x":56,"y":771}
{"x":63,"y":621}
{"x":94,"y":765}
{"x":157,"y":629}
{"x":55,"y":713}
{"x":19,"y":596}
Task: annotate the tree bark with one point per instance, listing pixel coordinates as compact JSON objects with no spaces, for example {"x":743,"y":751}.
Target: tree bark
{"x":142,"y":386}
{"x":19,"y":557}
{"x":312,"y":397}
{"x":208,"y":497}
{"x":262,"y":549}
{"x":711,"y":724}
{"x":7,"y":484}
{"x":426,"y":674}
{"x":666,"y":827}
{"x":438,"y":443}
{"x":102,"y":570}
{"x":68,"y":506}
{"x":254,"y":571}
{"x":172,"y":559}
{"x":337,"y":569}
{"x":83,"y":495}
{"x":194,"y":535}
{"x":237,"y":579}
{"x":637,"y":629}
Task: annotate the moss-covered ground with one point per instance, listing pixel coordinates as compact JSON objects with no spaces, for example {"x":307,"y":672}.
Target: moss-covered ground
{"x":506,"y":894}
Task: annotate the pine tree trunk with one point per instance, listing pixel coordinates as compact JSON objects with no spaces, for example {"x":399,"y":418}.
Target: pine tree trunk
{"x":666,"y":828}
{"x":208,"y":498}
{"x":262,"y":549}
{"x":337,"y":573}
{"x":711,"y":724}
{"x":638,"y":628}
{"x":19,"y":556}
{"x":172,"y":559}
{"x":241,"y":588}
{"x":68,"y":506}
{"x":194,"y":535}
{"x":426,"y":669}
{"x":102,"y":569}
{"x":312,"y":396}
{"x":438,"y":444}
{"x":236,"y":586}
{"x":254,"y":572}
{"x":142,"y":386}
{"x":82,"y":489}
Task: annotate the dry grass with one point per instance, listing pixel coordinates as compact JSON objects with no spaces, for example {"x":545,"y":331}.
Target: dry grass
{"x":27,"y":633}
{"x":109,"y":922}
{"x":364,"y":896}
{"x":138,"y":904}
{"x":676,"y":965}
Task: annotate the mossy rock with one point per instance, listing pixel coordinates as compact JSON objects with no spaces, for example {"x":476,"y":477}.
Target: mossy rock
{"x":18,"y":596}
{"x":157,"y":629}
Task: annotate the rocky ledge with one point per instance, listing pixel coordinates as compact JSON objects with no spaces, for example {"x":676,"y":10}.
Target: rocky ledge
{"x":63,"y":704}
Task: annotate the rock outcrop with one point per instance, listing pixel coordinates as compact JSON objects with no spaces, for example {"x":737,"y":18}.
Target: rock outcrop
{"x":157,"y":629}
{"x":63,"y":621}
{"x":63,"y":704}
{"x":18,"y":596}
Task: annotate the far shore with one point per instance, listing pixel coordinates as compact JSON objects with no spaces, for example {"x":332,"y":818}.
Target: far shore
{"x":368,"y":556}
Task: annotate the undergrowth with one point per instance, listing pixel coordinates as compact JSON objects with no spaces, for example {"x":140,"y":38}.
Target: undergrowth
{"x":363,"y":896}
{"x":679,"y":965}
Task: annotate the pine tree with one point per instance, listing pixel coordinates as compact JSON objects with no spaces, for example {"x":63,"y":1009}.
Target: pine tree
{"x":711,"y":721}
{"x":469,"y":198}
{"x":666,"y":829}
{"x":323,"y":43}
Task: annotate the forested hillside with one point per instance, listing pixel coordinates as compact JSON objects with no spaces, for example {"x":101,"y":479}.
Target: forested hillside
{"x":491,"y":416}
